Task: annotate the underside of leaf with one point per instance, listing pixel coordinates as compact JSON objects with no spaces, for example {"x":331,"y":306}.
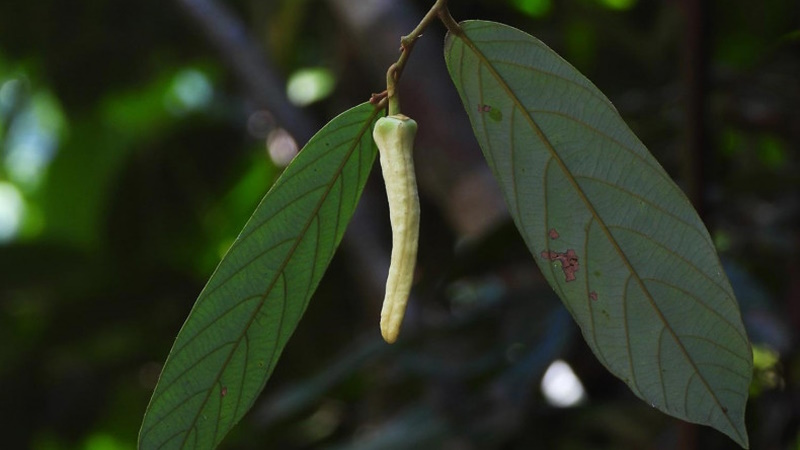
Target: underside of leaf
{"x":612,"y":233}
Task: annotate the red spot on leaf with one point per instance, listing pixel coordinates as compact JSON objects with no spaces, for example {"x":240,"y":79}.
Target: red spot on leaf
{"x":484,"y":108}
{"x":569,"y":262}
{"x":224,"y":391}
{"x":553,"y":233}
{"x":593,"y":296}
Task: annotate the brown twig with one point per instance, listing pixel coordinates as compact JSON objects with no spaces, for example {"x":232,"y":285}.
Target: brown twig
{"x":395,"y":71}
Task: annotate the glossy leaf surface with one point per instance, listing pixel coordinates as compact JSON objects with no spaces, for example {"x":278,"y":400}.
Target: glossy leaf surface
{"x":612,"y":233}
{"x":244,"y":316}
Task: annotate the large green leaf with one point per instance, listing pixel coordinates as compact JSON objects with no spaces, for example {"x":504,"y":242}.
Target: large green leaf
{"x":615,"y":237}
{"x":238,"y":327}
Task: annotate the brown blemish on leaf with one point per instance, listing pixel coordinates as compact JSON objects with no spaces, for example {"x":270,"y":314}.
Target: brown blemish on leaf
{"x":569,"y":262}
{"x":493,"y":113}
{"x":224,"y":391}
{"x":593,"y":296}
{"x":553,"y":233}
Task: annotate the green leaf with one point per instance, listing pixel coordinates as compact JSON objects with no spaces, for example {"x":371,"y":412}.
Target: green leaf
{"x":238,"y":327}
{"x":614,"y":236}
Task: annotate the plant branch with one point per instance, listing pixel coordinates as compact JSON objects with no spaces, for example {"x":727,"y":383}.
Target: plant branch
{"x":449,"y":23}
{"x":439,"y":9}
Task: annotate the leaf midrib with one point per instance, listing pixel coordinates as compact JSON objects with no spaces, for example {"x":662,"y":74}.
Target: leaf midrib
{"x":549,"y":146}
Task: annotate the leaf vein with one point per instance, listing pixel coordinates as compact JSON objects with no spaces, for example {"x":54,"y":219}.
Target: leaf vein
{"x":647,"y":201}
{"x":672,"y":252}
{"x":701,"y":303}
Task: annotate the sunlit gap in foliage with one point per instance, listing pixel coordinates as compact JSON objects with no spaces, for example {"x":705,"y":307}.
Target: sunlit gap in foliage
{"x":309,"y":85}
{"x":35,"y":123}
{"x":561,"y":387}
{"x":533,"y":8}
{"x":31,"y":125}
{"x":191,"y":91}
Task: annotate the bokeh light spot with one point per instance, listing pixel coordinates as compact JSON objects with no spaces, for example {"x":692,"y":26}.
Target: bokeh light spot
{"x":32,"y":140}
{"x":309,"y":85}
{"x":103,"y":441}
{"x":12,"y":210}
{"x":191,"y":91}
{"x":620,"y":5}
{"x":561,"y":387}
{"x":534,"y":8}
{"x":282,"y":147}
{"x":10,"y":92}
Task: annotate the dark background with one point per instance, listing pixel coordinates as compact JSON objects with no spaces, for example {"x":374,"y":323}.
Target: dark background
{"x":134,"y":145}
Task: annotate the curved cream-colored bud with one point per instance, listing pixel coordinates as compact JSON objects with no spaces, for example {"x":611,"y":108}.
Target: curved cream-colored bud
{"x":394,"y":136}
